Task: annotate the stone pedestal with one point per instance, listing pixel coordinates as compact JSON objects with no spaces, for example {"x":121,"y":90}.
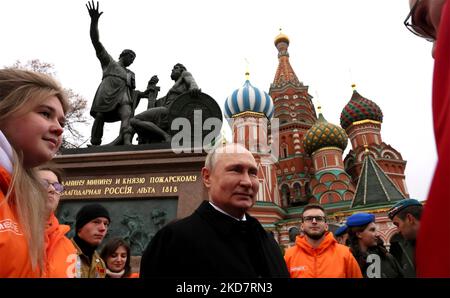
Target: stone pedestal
{"x":143,"y":188}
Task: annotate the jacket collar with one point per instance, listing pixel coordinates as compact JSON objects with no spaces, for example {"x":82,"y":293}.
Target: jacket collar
{"x":220,"y":210}
{"x":223,"y":223}
{"x":327,"y":242}
{"x":84,"y":247}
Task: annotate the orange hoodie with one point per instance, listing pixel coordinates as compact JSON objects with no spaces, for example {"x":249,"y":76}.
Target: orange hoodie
{"x":60,"y":253}
{"x":14,"y":257}
{"x":330,"y":259}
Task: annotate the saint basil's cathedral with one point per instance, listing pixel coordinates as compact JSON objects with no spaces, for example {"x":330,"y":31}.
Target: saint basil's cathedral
{"x":310,"y":167}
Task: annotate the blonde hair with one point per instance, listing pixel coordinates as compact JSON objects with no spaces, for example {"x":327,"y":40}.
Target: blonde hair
{"x":20,"y":92}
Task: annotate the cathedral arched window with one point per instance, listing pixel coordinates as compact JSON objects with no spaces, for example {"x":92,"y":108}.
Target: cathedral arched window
{"x":297,"y":191}
{"x":284,"y":151}
{"x":285,"y":195}
{"x":307,"y":189}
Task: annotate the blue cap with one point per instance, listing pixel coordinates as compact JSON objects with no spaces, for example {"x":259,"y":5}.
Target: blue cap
{"x":340,"y":231}
{"x":360,"y":219}
{"x":402,"y":205}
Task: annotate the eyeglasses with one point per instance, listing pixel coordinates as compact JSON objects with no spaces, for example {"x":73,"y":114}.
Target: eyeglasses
{"x":59,"y":188}
{"x":317,"y":218}
{"x":418,"y":29}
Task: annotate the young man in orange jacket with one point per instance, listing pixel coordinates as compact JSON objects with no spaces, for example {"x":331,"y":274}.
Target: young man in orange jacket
{"x":317,"y":253}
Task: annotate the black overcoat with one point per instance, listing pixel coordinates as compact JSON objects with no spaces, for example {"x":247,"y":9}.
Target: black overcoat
{"x":210,"y":244}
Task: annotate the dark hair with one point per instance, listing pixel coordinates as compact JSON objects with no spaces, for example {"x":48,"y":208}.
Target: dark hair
{"x":110,"y":247}
{"x":414,"y":210}
{"x":353,"y":244}
{"x":180,"y":65}
{"x":313,"y":206}
{"x":127,"y":52}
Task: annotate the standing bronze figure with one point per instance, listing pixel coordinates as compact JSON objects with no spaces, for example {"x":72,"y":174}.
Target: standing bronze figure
{"x":113,"y":100}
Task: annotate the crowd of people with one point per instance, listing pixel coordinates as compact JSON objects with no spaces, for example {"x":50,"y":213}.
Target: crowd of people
{"x":220,"y":239}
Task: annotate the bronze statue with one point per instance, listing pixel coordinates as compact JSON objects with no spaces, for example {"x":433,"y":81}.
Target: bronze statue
{"x":113,"y":100}
{"x":155,"y":120}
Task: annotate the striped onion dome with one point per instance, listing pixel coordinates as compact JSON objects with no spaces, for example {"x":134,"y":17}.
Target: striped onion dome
{"x":249,"y":99}
{"x":324,"y":134}
{"x":360,"y":108}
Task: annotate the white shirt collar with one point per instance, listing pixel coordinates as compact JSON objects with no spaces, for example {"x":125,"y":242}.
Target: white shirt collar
{"x":6,"y":154}
{"x":220,"y":210}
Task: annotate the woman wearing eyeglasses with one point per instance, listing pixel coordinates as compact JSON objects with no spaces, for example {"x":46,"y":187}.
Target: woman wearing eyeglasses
{"x":60,"y":253}
{"x":368,"y":249}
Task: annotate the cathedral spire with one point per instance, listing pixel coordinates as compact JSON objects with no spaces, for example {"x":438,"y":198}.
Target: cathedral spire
{"x":285,"y":74}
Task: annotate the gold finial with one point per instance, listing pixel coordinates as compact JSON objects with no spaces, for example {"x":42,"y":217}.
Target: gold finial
{"x":350,"y":76}
{"x":319,"y":106}
{"x":247,"y":72}
{"x":281,"y":37}
{"x":224,"y":139}
{"x":366,"y":149}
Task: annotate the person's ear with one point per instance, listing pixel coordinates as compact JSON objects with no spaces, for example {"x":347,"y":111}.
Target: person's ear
{"x":358,"y":235}
{"x":410,"y":218}
{"x":206,"y":175}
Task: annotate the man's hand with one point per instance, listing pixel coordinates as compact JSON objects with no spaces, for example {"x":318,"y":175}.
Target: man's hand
{"x":153,"y":81}
{"x":93,"y":11}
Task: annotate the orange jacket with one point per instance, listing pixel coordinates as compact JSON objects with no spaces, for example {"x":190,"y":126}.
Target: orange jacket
{"x":60,"y":253}
{"x":14,"y":257}
{"x":330,"y":259}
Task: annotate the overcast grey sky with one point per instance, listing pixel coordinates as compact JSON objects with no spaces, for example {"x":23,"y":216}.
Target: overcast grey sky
{"x":333,"y":44}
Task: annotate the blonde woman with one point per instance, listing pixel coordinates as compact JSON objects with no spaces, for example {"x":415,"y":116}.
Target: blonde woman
{"x":32,"y":115}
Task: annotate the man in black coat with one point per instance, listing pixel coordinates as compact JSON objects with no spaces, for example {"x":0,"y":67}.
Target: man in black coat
{"x":219,"y":239}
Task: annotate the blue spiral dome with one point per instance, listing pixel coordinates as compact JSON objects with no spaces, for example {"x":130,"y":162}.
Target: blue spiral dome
{"x":249,"y":99}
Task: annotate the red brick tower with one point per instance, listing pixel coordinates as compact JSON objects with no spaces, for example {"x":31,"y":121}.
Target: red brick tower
{"x":296,"y":114}
{"x":361,"y":118}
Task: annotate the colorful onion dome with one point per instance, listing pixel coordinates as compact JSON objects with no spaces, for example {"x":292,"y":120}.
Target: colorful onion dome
{"x":360,"y":108}
{"x":249,"y":99}
{"x":324,"y":134}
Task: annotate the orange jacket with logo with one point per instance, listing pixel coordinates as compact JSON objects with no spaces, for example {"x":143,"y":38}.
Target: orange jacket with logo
{"x":14,"y":257}
{"x":329,"y":260}
{"x":60,"y":253}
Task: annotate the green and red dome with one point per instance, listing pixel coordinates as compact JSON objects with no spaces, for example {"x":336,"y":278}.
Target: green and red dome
{"x":360,"y":108}
{"x":324,"y":134}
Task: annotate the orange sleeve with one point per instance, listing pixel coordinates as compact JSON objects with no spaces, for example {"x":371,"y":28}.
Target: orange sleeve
{"x":134,"y":275}
{"x":353,"y":270}
{"x":287,"y":258}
